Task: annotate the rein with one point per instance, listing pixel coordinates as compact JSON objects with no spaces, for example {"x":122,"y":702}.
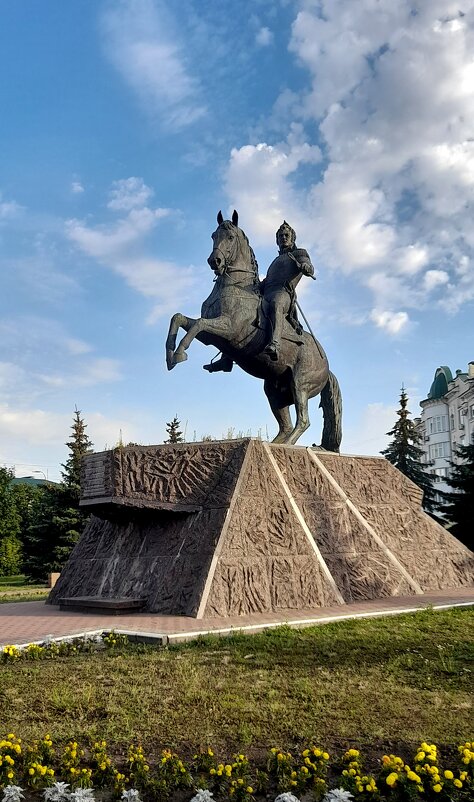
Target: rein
{"x":228,"y":264}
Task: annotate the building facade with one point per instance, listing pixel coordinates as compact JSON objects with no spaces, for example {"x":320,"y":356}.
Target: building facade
{"x":447,"y":420}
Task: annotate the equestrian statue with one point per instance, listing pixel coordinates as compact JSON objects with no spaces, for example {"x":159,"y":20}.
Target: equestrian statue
{"x":255,"y":325}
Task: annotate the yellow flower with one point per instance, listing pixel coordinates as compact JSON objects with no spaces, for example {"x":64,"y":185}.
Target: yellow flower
{"x":412,"y":776}
{"x":249,"y":789}
{"x":437,"y":788}
{"x":392,"y":779}
{"x":326,"y":755}
{"x":449,"y":775}
{"x":457,"y":783}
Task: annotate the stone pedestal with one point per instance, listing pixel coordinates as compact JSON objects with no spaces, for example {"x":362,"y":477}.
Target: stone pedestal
{"x":240,"y":526}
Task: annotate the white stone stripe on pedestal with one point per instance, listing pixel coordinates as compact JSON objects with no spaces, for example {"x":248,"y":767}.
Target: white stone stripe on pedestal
{"x":391,"y":556}
{"x":304,"y":525}
{"x":223,"y":534}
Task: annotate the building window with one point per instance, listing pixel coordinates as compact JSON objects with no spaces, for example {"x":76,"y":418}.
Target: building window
{"x":438,"y":450}
{"x":472,"y":410}
{"x":452,"y":421}
{"x":438,"y":424}
{"x":440,"y":474}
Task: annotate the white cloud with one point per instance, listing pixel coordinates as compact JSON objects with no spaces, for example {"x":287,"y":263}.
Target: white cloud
{"x":33,"y":437}
{"x":9,"y":209}
{"x":391,"y":322}
{"x":129,"y":193}
{"x":120,"y":246}
{"x":76,"y":346}
{"x":391,"y":96}
{"x":264,"y":37}
{"x":97,"y":370}
{"x":257,"y":181}
{"x":142,"y":43}
{"x":44,"y":359}
{"x":106,"y":241}
{"x":76,"y":188}
{"x":435,"y":278}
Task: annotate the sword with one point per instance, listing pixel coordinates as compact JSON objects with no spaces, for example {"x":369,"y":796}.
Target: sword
{"x":309,"y":327}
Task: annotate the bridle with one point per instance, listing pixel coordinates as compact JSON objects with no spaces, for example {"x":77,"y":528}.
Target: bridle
{"x":228,"y":260}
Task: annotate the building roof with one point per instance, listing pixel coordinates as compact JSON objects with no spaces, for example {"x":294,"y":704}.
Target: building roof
{"x":440,"y":383}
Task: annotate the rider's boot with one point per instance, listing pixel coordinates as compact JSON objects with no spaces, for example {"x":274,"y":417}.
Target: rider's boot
{"x":225,"y":364}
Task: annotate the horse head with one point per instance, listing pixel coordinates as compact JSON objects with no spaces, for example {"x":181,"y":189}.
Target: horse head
{"x":231,"y":250}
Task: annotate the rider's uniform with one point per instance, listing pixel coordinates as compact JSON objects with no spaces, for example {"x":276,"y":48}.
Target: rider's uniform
{"x":279,"y":286}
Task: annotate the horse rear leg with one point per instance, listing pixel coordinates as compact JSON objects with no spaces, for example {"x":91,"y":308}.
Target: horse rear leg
{"x":280,"y":411}
{"x":302,"y":418}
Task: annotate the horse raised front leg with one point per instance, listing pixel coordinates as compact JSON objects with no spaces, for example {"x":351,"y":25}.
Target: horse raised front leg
{"x":177,"y":322}
{"x":220,"y":326}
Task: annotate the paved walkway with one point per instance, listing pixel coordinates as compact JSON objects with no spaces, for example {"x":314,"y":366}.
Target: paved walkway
{"x":24,"y":622}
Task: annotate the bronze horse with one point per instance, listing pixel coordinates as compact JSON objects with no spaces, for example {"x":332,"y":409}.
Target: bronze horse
{"x":233,"y":321}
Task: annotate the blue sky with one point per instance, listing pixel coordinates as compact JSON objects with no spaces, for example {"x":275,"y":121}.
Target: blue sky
{"x":125,"y":127}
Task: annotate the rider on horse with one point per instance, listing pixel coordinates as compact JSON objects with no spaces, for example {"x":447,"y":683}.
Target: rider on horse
{"x":279,"y":286}
{"x":278,"y":291}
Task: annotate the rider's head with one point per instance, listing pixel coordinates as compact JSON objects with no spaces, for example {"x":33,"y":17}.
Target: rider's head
{"x":285,"y":237}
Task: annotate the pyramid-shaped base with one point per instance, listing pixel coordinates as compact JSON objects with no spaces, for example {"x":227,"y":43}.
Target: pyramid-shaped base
{"x":240,"y":527}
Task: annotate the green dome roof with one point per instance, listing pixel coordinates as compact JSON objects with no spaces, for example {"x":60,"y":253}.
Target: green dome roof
{"x":439,"y":387}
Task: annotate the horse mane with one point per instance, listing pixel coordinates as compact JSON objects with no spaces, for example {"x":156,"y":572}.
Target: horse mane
{"x":229,"y":226}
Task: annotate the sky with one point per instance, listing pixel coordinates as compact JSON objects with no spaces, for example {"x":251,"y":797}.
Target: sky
{"x":126,"y":125}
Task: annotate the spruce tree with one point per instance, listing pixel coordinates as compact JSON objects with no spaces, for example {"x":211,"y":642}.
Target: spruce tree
{"x":58,"y":520}
{"x":173,"y":431}
{"x":405,"y":453}
{"x":78,"y":444}
{"x":459,"y":507}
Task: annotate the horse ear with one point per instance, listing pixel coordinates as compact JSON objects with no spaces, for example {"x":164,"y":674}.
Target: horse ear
{"x":235,"y":218}
{"x":220,"y":219}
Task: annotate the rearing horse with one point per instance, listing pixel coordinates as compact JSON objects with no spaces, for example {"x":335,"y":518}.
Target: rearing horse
{"x":232,"y":320}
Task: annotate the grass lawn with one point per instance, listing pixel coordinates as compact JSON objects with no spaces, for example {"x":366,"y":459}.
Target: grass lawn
{"x":391,"y":682}
{"x":17,"y":588}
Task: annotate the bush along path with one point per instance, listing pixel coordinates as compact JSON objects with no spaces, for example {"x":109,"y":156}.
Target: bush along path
{"x":76,"y":772}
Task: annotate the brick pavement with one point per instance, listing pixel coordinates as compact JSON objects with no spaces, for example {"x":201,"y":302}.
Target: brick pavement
{"x":24,"y":622}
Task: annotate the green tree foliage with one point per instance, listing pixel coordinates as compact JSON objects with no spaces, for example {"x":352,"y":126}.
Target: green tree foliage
{"x":173,"y":431}
{"x":56,"y":519}
{"x":10,"y":526}
{"x":459,"y":507}
{"x":405,"y":453}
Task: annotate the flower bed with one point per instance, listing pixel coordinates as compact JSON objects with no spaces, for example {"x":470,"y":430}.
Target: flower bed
{"x":74,"y":772}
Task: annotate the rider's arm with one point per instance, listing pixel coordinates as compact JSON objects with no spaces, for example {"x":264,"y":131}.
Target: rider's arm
{"x":305,"y":264}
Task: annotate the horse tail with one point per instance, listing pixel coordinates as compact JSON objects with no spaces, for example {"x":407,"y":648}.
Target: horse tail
{"x":331,"y":403}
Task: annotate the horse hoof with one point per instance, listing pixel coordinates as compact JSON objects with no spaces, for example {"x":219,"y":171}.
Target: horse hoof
{"x":170,"y":361}
{"x":180,"y":356}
